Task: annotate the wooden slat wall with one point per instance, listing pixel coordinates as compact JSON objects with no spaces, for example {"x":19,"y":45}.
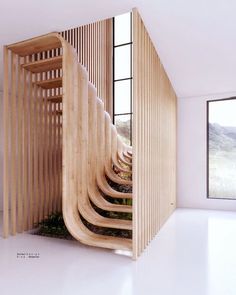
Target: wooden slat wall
{"x":93,"y":44}
{"x":32,"y":145}
{"x":154,"y":140}
{"x":33,"y":125}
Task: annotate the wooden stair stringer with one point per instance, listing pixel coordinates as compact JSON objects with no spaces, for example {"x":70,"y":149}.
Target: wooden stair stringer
{"x":75,"y":156}
{"x":101,"y":176}
{"x":93,"y":190}
{"x":115,"y":158}
{"x":76,"y":196}
{"x":108,"y":155}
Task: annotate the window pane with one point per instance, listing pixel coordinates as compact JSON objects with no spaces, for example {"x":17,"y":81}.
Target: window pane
{"x":122,"y":29}
{"x":222,"y":149}
{"x":123,"y":127}
{"x":122,"y":97}
{"x":122,"y":62}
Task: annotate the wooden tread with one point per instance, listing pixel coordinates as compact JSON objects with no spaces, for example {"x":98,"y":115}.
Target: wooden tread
{"x":45,"y":65}
{"x":36,"y":45}
{"x":116,"y":178}
{"x":109,"y":191}
{"x":50,"y":83}
{"x":98,"y":200}
{"x":55,"y":98}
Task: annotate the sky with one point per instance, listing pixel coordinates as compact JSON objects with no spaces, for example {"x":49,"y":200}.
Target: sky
{"x":223,"y":112}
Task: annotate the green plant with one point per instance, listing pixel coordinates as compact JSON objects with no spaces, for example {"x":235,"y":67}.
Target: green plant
{"x":53,"y":226}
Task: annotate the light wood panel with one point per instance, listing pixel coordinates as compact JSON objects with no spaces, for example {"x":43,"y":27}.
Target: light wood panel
{"x":44,"y":65}
{"x":75,"y":191}
{"x":93,"y":44}
{"x":50,"y":83}
{"x":35,"y":45}
{"x":47,"y":113}
{"x":31,"y":133}
{"x":154,"y":140}
{"x":6,"y":122}
{"x":55,"y":117}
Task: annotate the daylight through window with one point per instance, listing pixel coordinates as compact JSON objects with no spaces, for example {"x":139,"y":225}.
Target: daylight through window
{"x":122,"y":77}
{"x":221,"y":148}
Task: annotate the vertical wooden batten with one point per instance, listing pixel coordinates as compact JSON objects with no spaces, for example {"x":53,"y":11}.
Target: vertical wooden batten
{"x":154,"y":140}
{"x":52,"y":117}
{"x":48,"y":101}
{"x":6,"y":145}
{"x":29,"y":144}
{"x":93,"y":44}
{"x":13,"y":144}
{"x":19,"y":138}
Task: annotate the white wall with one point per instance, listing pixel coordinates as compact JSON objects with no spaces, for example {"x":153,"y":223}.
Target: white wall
{"x":192,"y":133}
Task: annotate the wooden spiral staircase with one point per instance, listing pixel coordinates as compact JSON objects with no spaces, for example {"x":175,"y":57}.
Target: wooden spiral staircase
{"x":93,"y":156}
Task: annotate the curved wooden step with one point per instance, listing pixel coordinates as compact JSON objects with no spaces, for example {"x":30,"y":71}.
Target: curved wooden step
{"x":81,"y":233}
{"x":120,"y":153}
{"x":55,"y":98}
{"x":107,"y":190}
{"x":75,"y":193}
{"x":77,"y":201}
{"x":90,"y":215}
{"x":116,"y":178}
{"x":101,"y":155}
{"x":108,"y":157}
{"x":50,"y":83}
{"x":130,"y":153}
{"x":115,"y":158}
{"x":36,"y":45}
{"x":100,"y":202}
{"x":44,"y":65}
{"x":127,"y":156}
{"x":93,"y":161}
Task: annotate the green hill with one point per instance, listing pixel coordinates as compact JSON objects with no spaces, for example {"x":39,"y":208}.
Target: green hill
{"x":221,"y":138}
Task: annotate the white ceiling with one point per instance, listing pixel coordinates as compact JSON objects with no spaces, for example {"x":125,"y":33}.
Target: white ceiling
{"x":196,"y":39}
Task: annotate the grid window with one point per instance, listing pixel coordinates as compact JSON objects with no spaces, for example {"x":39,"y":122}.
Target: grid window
{"x":221,"y":148}
{"x":122,"y":29}
{"x":122,"y":76}
{"x":122,"y":92}
{"x":122,"y":62}
{"x":123,"y":123}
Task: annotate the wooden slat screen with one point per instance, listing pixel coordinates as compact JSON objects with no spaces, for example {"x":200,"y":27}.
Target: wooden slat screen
{"x":32,"y":145}
{"x":93,"y":44}
{"x":33,"y":124}
{"x":154,"y":140}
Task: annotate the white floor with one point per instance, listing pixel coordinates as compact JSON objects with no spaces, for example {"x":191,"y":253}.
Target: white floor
{"x":194,"y":254}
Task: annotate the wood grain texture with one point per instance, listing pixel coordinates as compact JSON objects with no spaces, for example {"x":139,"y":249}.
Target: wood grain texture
{"x":6,"y":146}
{"x":30,"y":134}
{"x":44,"y":65}
{"x":93,"y":44}
{"x":60,"y":118}
{"x":13,"y":144}
{"x":50,"y":83}
{"x":73,"y":140}
{"x":154,"y":140}
{"x":56,"y":120}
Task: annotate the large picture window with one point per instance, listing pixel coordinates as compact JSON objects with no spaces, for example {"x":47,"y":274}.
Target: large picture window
{"x":122,"y":77}
{"x":221,"y":148}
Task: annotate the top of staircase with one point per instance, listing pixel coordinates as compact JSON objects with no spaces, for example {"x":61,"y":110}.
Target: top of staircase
{"x":36,"y":45}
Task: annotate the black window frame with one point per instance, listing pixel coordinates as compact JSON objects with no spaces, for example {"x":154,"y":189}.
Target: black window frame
{"x":207,"y":146}
{"x":114,"y":114}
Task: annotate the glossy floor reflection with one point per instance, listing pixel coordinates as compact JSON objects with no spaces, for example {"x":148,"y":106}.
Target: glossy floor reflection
{"x":194,"y":254}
